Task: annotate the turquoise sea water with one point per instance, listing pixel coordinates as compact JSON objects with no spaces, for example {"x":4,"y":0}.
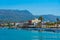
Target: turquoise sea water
{"x":18,"y":34}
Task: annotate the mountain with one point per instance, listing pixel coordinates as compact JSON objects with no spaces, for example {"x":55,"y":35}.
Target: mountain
{"x":22,"y":15}
{"x":15,"y":15}
{"x":49,"y":17}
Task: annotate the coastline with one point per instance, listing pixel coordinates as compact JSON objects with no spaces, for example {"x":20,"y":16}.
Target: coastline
{"x":36,"y":29}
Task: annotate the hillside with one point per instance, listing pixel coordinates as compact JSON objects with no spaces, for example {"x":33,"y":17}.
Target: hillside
{"x":22,"y":15}
{"x":15,"y":15}
{"x":51,"y":18}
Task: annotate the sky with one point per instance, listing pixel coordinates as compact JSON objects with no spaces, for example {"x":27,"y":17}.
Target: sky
{"x":36,"y":7}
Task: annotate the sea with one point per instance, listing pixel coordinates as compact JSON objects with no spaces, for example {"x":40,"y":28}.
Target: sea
{"x":22,"y":34}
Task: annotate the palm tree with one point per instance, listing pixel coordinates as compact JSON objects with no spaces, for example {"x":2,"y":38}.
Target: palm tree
{"x":41,"y":18}
{"x":14,"y":23}
{"x":57,"y":19}
{"x":9,"y":25}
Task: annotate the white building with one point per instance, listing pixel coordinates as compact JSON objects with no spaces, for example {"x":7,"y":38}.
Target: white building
{"x":36,"y":20}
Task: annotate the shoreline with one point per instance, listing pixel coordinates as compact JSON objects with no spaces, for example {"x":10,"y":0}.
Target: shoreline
{"x":37,"y":29}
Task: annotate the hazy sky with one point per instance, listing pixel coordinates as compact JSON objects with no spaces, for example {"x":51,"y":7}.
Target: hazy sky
{"x":36,"y":7}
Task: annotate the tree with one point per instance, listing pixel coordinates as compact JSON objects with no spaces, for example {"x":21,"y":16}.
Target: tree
{"x":40,"y":18}
{"x":49,"y":24}
{"x":57,"y":19}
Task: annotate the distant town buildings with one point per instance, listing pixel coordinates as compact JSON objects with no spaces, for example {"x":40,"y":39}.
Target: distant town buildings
{"x":30,"y":24}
